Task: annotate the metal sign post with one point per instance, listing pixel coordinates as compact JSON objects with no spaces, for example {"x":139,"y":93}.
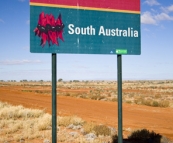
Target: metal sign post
{"x":54,"y":113}
{"x":119,"y":77}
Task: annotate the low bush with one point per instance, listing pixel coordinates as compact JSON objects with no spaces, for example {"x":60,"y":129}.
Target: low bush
{"x":164,"y":104}
{"x":155,"y":103}
{"x":128,"y":101}
{"x":146,"y":102}
{"x":97,"y":129}
{"x":94,"y":97}
{"x":145,"y":134}
{"x":102,"y":130}
{"x":101,"y":97}
{"x":140,"y":136}
{"x":114,"y":99}
{"x":65,"y":121}
{"x":88,"y":127}
{"x":115,"y":139}
{"x":83,"y":96}
{"x":67,"y":94}
{"x":150,"y":102}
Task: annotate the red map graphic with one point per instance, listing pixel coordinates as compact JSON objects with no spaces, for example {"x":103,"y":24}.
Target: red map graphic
{"x":49,"y":29}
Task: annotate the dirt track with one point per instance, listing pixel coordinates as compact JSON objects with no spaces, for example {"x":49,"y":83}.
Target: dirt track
{"x":134,"y":116}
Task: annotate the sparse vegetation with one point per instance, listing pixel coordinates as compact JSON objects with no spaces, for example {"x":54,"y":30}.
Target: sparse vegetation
{"x":141,"y":136}
{"x":14,"y":120}
{"x":66,"y":121}
{"x":146,"y":136}
{"x":88,"y":127}
{"x":59,"y":80}
{"x":19,"y":124}
{"x":115,"y":139}
{"x":102,"y":130}
{"x":149,"y":93}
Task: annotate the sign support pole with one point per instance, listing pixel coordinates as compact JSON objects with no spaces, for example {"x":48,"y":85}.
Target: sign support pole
{"x":119,"y":77}
{"x":54,"y":113}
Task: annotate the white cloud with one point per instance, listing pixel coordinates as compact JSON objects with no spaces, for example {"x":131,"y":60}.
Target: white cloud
{"x":163,"y":16}
{"x":167,"y":9}
{"x":152,"y":18}
{"x":18,"y":62}
{"x":170,"y":8}
{"x":147,"y":18}
{"x":2,"y":21}
{"x":152,"y":2}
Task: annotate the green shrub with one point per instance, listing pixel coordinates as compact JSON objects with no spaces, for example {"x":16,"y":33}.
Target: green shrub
{"x":74,"y":95}
{"x":94,"y":97}
{"x":115,"y":139}
{"x":155,"y":104}
{"x":76,"y":81}
{"x":146,"y":102}
{"x":83,"y":96}
{"x":129,"y":101}
{"x":101,"y":97}
{"x":145,"y":134}
{"x":67,"y":94}
{"x":102,"y":130}
{"x":164,"y":104}
{"x":114,"y":99}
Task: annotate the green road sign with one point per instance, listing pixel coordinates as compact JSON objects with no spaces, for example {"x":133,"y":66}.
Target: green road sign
{"x":85,"y":27}
{"x":121,"y":51}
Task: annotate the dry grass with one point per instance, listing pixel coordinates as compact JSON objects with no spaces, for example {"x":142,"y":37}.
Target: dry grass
{"x":155,"y":91}
{"x":88,"y":127}
{"x":65,"y":121}
{"x":102,"y":130}
{"x":15,"y":112}
{"x":96,"y":129}
{"x":44,"y":122}
{"x":132,"y":90}
{"x":19,"y":124}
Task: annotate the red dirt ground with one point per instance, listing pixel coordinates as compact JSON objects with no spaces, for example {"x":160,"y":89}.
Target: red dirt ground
{"x":157,"y":119}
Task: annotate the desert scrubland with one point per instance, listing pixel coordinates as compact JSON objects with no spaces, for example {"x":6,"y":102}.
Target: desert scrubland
{"x":146,"y":105}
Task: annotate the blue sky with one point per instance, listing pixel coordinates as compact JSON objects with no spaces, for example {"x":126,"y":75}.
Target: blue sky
{"x":154,"y":63}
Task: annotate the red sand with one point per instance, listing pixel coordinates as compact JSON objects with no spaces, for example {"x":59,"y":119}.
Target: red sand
{"x":157,"y":119}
